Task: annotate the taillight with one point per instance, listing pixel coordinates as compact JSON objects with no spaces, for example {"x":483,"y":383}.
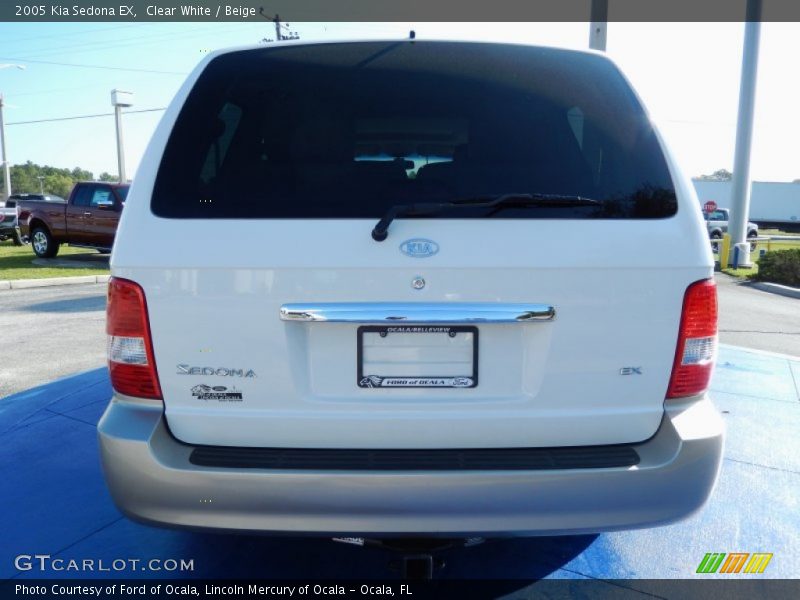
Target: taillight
{"x":697,"y":341}
{"x":2,"y":217}
{"x":130,"y":349}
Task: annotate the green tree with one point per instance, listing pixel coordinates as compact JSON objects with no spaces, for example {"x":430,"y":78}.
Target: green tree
{"x":105,"y":176}
{"x":58,"y":184}
{"x":25,"y":179}
{"x":718,"y":175}
{"x":79,"y":174}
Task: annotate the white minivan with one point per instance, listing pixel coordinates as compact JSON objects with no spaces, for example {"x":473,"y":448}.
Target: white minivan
{"x":405,"y":288}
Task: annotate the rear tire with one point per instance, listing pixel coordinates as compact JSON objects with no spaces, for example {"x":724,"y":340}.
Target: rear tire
{"x":17,"y":238}
{"x":44,"y":246}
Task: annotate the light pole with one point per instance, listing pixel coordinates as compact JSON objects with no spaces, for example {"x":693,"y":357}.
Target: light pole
{"x":120,"y":99}
{"x":740,"y":186}
{"x":41,"y":183}
{"x":599,"y":25}
{"x":6,"y":164}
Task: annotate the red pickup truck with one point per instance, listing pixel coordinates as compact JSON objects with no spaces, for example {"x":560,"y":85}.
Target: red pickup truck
{"x":88,"y":218}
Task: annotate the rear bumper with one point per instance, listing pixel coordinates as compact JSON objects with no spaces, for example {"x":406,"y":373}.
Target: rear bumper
{"x":8,"y":226}
{"x":152,"y":480}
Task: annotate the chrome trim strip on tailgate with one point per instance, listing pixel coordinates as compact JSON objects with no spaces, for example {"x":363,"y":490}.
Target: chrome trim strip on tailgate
{"x":416,"y":312}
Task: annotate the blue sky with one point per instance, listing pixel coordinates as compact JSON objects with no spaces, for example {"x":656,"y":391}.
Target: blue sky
{"x":686,"y":73}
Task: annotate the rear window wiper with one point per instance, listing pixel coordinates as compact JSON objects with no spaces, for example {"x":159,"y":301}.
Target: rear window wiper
{"x":381,"y":230}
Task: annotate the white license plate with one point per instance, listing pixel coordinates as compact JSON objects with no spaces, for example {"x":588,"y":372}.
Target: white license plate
{"x":417,"y":356}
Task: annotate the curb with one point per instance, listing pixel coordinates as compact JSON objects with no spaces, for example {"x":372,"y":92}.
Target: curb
{"x":776,"y":288}
{"x":19,"y":284}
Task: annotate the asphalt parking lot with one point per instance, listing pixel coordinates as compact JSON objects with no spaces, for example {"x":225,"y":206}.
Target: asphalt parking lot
{"x":752,"y":318}
{"x":50,"y":332}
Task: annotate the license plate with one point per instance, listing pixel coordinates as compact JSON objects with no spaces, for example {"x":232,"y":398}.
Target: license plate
{"x":417,"y":356}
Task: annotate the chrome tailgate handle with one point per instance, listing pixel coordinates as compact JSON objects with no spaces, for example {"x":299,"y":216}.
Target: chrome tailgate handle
{"x":416,"y":312}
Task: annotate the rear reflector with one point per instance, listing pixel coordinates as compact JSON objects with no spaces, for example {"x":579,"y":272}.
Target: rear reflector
{"x":130,"y":349}
{"x":127,"y":350}
{"x":697,"y":341}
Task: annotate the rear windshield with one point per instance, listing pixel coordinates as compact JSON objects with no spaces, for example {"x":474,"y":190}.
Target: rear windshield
{"x":349,"y":130}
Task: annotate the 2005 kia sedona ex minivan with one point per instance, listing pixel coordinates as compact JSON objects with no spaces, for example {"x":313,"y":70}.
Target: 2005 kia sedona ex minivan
{"x":410,"y":288}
